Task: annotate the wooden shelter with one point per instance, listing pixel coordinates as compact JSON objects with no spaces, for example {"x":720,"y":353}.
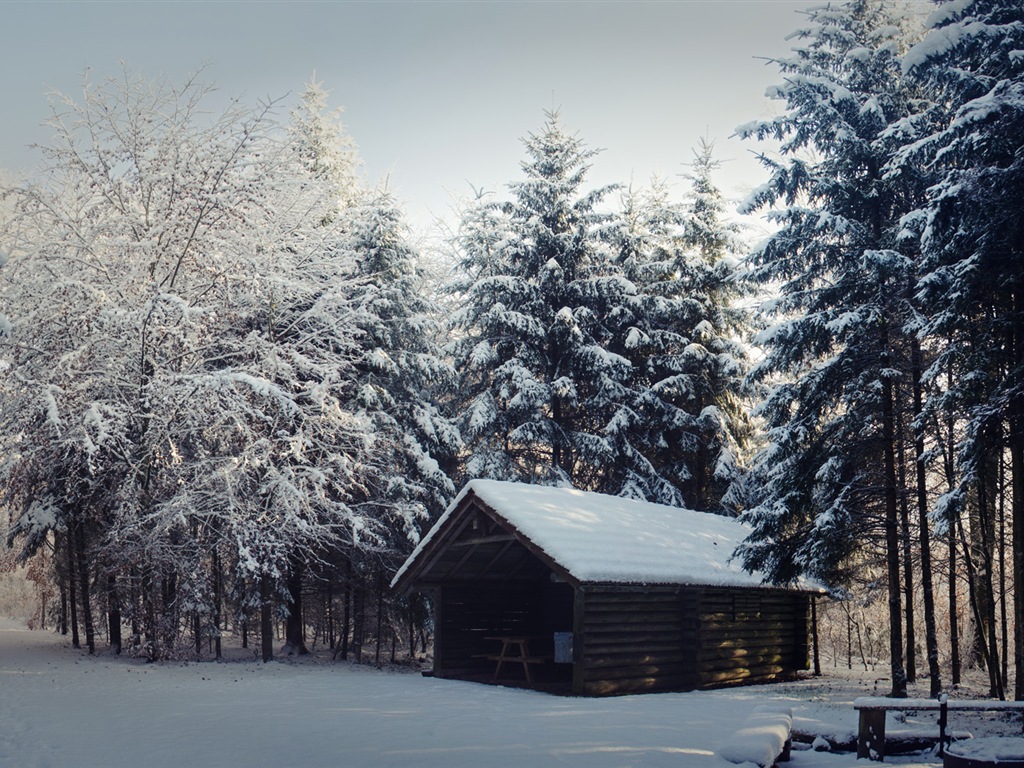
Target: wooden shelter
{"x":579,"y":592}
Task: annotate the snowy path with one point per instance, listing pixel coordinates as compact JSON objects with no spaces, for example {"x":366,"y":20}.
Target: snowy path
{"x":59,"y":707}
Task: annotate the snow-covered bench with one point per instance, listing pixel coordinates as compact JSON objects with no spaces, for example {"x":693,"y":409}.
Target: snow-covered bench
{"x":872,"y":709}
{"x":763,"y":738}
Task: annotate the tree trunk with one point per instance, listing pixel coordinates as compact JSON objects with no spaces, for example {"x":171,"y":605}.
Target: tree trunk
{"x":949,"y":468}
{"x":1017,"y":515}
{"x":924,"y":539}
{"x":987,"y":607}
{"x":954,"y":626}
{"x":358,"y":620}
{"x":217,"y":598}
{"x":892,"y":544}
{"x":380,"y":616}
{"x":84,"y":587}
{"x":294,"y":636}
{"x":1003,"y":623}
{"x":1016,"y":441}
{"x":266,"y":619}
{"x":72,"y":590}
{"x":346,"y":619}
{"x":908,"y":555}
{"x":62,"y":621}
{"x":114,"y":614}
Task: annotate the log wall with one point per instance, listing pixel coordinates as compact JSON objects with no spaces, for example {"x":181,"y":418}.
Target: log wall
{"x":632,"y":639}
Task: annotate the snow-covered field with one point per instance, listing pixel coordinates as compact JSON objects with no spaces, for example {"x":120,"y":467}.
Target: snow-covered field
{"x":60,"y":707}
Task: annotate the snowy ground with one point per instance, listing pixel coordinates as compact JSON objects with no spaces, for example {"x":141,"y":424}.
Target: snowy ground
{"x":59,"y":707}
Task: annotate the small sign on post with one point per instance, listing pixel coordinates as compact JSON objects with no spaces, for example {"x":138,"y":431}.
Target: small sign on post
{"x":563,"y":647}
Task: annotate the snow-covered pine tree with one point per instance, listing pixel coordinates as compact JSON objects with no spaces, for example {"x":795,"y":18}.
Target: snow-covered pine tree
{"x":835,"y":355}
{"x":400,"y":371}
{"x":681,"y":334}
{"x":972,"y":59}
{"x":324,"y":147}
{"x":539,"y":383}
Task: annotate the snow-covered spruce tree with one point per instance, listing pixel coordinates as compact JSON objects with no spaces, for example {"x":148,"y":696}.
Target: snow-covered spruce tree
{"x":836,"y":356}
{"x":713,"y":291}
{"x":400,"y":368}
{"x":680,"y":333}
{"x":179,"y":347}
{"x":539,"y":382}
{"x":324,"y":147}
{"x":973,"y":241}
{"x":399,"y":375}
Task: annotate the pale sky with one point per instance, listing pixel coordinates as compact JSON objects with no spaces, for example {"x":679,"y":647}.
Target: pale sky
{"x":437,"y":95}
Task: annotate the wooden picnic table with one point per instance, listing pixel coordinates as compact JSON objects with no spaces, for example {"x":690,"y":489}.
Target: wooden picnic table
{"x":872,"y":709}
{"x":516,"y":649}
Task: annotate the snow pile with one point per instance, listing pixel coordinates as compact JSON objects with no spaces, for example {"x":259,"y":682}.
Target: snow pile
{"x":992,"y":749}
{"x":761,"y":738}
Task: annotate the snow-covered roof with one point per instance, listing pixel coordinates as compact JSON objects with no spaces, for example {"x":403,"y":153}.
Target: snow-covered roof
{"x":608,"y":539}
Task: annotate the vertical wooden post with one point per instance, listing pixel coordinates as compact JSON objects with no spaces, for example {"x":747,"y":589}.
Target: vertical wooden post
{"x":871,"y":734}
{"x":437,"y":601}
{"x":579,"y":608}
{"x":814,"y":634}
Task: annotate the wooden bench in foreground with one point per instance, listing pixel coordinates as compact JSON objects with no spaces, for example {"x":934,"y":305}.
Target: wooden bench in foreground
{"x":872,"y":709}
{"x":763,"y":738}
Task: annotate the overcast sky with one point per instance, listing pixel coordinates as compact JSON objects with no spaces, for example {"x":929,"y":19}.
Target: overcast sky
{"x":436,"y":94}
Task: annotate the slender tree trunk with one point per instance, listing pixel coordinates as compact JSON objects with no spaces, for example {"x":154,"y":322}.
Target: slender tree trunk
{"x":217,"y":599}
{"x":346,"y":619}
{"x":329,"y":612}
{"x":149,"y":628}
{"x":72,"y":590}
{"x":169,"y":616}
{"x":294,"y":636}
{"x":892,"y":543}
{"x":976,"y":611}
{"x":949,"y":467}
{"x":908,"y":555}
{"x":1016,"y":443}
{"x":114,"y":613}
{"x":380,"y":616}
{"x":924,"y":539}
{"x":1003,"y":623}
{"x":135,"y":603}
{"x":975,"y":546}
{"x":954,"y":607}
{"x":84,"y":587}
{"x":358,"y":620}
{"x":62,"y":622}
{"x":986,"y":521}
{"x":266,"y":619}
{"x":1017,"y":514}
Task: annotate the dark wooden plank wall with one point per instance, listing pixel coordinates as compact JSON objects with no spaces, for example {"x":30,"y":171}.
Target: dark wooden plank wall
{"x":631,"y":639}
{"x":751,"y":636}
{"x":635,"y":640}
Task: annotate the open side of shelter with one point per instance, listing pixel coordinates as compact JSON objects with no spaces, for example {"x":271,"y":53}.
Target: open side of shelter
{"x":507,"y":609}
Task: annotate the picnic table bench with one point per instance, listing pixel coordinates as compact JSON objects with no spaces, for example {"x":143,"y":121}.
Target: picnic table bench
{"x":872,"y":709}
{"x":514,"y":649}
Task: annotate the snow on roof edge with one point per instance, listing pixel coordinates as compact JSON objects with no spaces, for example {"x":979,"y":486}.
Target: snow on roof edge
{"x":614,"y":540}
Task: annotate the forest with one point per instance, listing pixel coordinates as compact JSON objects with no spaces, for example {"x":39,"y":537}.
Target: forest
{"x":236,"y":389}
